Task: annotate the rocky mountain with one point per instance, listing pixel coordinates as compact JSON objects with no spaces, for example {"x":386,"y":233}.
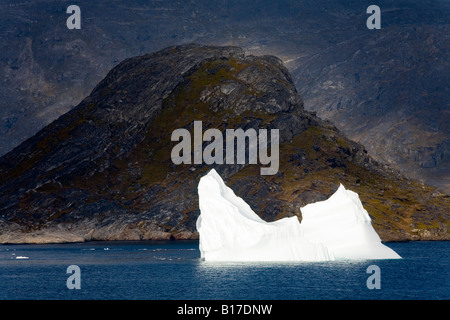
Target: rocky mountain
{"x":389,"y":91}
{"x":103,"y":170}
{"x":387,"y":88}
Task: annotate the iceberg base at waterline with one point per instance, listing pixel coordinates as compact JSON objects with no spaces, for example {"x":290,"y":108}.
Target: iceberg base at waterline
{"x":334,"y":229}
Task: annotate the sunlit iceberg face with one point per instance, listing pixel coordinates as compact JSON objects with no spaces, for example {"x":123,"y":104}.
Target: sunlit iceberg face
{"x":343,"y":225}
{"x":338,"y":228}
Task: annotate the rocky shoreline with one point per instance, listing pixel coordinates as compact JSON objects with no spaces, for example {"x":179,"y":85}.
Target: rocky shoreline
{"x":59,"y":235}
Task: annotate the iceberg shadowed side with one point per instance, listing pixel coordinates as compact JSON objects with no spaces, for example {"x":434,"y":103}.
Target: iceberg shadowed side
{"x":338,"y":228}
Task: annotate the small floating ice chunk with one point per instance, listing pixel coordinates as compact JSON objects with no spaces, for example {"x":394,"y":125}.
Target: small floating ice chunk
{"x":22,"y":258}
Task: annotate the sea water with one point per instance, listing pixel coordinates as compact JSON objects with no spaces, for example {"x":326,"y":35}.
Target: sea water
{"x":174,"y":270}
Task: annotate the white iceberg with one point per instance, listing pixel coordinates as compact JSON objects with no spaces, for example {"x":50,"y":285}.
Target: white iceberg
{"x":231,"y":231}
{"x":343,"y":225}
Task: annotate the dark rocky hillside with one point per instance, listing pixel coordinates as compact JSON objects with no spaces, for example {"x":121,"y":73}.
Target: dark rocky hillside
{"x":387,"y":88}
{"x":103,"y":170}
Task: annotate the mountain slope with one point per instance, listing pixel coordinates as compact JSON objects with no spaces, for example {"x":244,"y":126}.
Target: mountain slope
{"x":104,"y":170}
{"x":386,"y":89}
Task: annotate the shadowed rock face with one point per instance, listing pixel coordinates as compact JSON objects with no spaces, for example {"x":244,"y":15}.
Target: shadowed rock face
{"x":103,"y":171}
{"x":386,"y":89}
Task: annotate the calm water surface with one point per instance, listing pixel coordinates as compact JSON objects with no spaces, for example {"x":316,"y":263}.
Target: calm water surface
{"x":174,"y":270}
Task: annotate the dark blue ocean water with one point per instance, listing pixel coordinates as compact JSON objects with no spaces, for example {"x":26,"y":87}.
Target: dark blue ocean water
{"x":174,"y":270}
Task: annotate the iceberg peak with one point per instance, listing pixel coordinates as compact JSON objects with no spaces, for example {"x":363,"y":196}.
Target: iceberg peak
{"x":343,"y":225}
{"x":337,"y":228}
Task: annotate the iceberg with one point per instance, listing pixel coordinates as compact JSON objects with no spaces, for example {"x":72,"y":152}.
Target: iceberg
{"x":231,"y":231}
{"x":343,"y":225}
{"x":338,"y":228}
